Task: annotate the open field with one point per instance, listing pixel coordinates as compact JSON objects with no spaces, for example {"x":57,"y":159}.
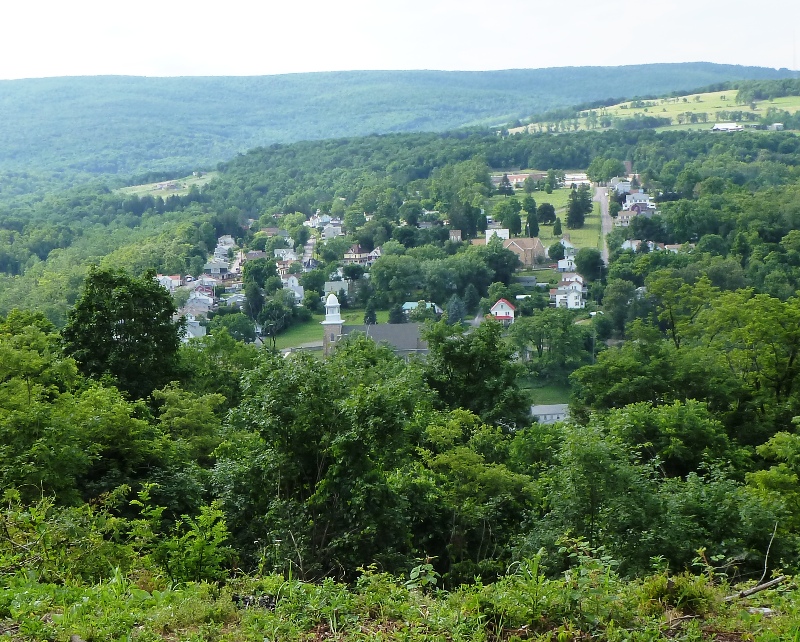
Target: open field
{"x":701,"y":106}
{"x":177,"y":187}
{"x":558,"y":199}
{"x":587,"y":236}
{"x":545,"y":394}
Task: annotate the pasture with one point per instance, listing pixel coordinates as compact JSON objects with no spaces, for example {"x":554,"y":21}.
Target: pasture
{"x":175,"y":187}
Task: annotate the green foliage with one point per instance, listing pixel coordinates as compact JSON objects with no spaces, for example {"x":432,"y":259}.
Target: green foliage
{"x":475,"y":371}
{"x":122,"y":327}
{"x":556,"y":251}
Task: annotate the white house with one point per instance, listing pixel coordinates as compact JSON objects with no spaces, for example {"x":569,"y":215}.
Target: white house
{"x":503,"y":311}
{"x":217,"y":268}
{"x":620,"y":185}
{"x":291,"y":282}
{"x":286,"y":254}
{"x":193,"y":329}
{"x":566,"y":264}
{"x":550,"y":414}
{"x":570,"y":298}
{"x":171,"y":282}
{"x":331,"y":231}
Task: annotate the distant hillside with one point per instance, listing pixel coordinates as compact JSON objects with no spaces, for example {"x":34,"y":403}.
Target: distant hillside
{"x":70,"y":129}
{"x":758,"y":104}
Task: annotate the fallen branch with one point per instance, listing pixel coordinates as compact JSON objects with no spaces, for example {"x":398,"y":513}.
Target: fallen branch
{"x":755,"y":589}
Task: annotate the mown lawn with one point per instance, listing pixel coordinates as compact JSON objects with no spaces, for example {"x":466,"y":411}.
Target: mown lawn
{"x":545,"y":394}
{"x":587,"y":236}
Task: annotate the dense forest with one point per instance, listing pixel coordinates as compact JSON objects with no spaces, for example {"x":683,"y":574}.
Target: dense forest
{"x":67,"y":131}
{"x":161,"y":474}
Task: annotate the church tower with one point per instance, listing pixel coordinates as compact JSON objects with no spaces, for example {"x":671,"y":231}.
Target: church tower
{"x":332,"y":325}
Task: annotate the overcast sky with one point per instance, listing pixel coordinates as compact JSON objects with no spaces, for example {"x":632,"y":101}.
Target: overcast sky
{"x":236,"y":37}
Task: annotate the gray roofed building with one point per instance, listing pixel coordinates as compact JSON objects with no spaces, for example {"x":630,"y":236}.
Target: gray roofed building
{"x":403,"y":338}
{"x":550,"y":413}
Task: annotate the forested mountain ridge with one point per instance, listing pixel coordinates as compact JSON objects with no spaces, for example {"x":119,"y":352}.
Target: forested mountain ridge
{"x":67,"y":130}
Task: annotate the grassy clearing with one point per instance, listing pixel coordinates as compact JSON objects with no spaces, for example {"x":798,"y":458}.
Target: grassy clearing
{"x":705,"y":103}
{"x":587,"y":236}
{"x":181,"y":186}
{"x":545,"y":394}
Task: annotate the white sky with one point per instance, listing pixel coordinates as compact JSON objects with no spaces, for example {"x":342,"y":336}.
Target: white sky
{"x":238,"y":37}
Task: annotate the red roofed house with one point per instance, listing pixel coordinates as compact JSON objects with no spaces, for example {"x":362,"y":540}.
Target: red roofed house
{"x":503,"y":311}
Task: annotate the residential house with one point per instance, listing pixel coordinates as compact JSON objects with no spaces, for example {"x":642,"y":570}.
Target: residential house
{"x":292,"y":283}
{"x":217,"y":268}
{"x":334,"y":287}
{"x":286,"y":254}
{"x":550,"y":413}
{"x":193,"y":329}
{"x":238,"y":299}
{"x":255,"y":254}
{"x":171,"y":283}
{"x":356,"y":255}
{"x":569,"y":248}
{"x":503,"y":311}
{"x":455,"y":236}
{"x":374,"y":255}
{"x":566,"y":264}
{"x":620,"y":185}
{"x":331,"y":231}
{"x":224,"y":244}
{"x":283,"y":267}
{"x":570,"y":294}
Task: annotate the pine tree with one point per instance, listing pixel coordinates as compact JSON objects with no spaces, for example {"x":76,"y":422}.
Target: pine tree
{"x":370,"y":317}
{"x":505,"y":186}
{"x":456,"y":310}
{"x":396,"y":314}
{"x":471,"y":298}
{"x":532,"y":225}
{"x":557,"y":227}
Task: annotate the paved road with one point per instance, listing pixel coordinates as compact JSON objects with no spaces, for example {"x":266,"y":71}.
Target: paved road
{"x":606,"y":223}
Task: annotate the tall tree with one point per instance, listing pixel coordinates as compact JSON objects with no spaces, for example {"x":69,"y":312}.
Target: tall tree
{"x":122,"y":327}
{"x":476,"y":371}
{"x":532,"y":224}
{"x":589,"y":263}
{"x":505,"y":187}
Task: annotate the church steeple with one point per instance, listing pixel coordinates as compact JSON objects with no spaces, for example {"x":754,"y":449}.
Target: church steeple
{"x":332,"y":325}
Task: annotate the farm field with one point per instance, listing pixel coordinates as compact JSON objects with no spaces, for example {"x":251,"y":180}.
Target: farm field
{"x":703,"y":105}
{"x":176,"y":187}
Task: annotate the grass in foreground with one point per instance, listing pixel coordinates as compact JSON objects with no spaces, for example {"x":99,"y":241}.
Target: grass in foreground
{"x":589,"y":601}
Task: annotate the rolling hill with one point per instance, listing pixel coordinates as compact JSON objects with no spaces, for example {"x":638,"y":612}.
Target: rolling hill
{"x":62,"y":131}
